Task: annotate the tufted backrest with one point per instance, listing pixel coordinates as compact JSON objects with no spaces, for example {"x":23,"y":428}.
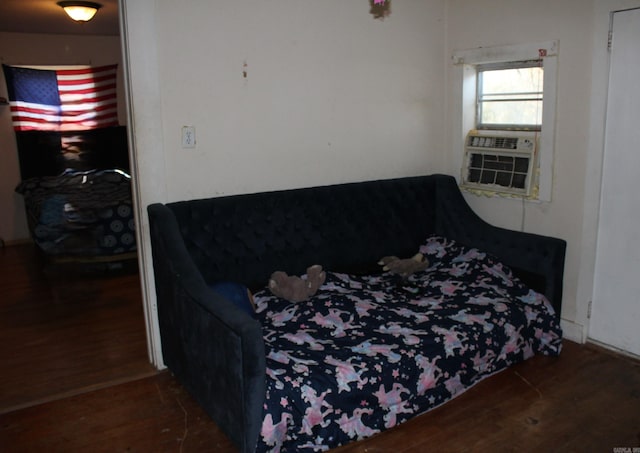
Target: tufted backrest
{"x":345,"y":227}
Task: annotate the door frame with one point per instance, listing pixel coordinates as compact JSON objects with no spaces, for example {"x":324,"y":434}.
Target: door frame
{"x":146,"y":150}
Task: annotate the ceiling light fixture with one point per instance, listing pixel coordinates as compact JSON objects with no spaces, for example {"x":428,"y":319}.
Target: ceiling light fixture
{"x":80,"y":11}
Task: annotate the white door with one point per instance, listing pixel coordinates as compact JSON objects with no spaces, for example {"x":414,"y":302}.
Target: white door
{"x":615,"y":316}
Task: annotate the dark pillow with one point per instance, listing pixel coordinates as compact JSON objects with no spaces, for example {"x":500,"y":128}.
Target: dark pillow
{"x":237,"y":294}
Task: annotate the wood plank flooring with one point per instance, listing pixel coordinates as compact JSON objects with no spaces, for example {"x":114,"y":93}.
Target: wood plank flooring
{"x":149,"y":415}
{"x":586,"y":400}
{"x":64,"y":330}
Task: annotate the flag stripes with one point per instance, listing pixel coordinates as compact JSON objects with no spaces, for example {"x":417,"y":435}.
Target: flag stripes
{"x":62,"y":99}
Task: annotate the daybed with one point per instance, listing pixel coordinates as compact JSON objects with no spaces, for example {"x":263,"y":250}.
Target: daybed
{"x":370,"y":349}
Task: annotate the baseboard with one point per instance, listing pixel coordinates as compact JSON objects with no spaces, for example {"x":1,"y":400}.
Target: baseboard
{"x":573,"y":331}
{"x":613,"y":349}
{"x":11,"y":242}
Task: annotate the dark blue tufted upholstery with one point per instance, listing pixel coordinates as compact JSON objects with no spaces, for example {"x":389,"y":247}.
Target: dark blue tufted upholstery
{"x":216,"y":350}
{"x":247,"y":237}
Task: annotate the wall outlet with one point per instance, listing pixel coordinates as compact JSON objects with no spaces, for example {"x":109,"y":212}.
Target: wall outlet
{"x":188,"y":137}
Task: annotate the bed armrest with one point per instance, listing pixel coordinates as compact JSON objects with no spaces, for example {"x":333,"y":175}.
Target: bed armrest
{"x":537,"y":260}
{"x":214,"y":349}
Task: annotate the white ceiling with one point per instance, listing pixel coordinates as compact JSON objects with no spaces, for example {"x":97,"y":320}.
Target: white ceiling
{"x":45,"y":16}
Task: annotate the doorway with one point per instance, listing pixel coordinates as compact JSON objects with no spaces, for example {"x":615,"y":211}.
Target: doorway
{"x":62,"y":333}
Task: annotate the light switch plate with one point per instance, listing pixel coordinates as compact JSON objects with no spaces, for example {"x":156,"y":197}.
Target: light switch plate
{"x":188,"y":137}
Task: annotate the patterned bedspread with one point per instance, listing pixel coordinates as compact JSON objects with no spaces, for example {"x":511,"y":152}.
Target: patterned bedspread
{"x":369,"y":352}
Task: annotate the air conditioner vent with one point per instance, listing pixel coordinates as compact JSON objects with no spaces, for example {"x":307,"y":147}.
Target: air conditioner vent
{"x":499,"y":163}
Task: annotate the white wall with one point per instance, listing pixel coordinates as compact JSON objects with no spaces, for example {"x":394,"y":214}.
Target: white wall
{"x":581,"y":28}
{"x":484,"y":23}
{"x":41,"y":49}
{"x":331,"y":95}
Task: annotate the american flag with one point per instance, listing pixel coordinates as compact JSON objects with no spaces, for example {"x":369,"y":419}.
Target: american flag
{"x":62,"y":99}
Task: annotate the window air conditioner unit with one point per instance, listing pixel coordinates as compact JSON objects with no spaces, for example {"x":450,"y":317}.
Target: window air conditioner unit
{"x":499,"y":163}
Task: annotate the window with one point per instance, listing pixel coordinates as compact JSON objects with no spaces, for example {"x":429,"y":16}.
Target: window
{"x":507,"y":119}
{"x":510,"y":96}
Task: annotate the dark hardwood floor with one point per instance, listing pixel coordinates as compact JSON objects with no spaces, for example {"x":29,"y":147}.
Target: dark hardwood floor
{"x":66,"y":328}
{"x":586,"y":400}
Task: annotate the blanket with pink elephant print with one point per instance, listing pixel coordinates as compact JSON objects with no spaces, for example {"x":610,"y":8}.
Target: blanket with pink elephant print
{"x":369,"y":352}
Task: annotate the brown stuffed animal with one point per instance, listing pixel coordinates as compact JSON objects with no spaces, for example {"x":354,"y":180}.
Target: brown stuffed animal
{"x":294,"y":288}
{"x":404,"y":267}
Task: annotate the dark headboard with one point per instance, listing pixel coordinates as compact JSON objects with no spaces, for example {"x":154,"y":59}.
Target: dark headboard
{"x":45,"y":153}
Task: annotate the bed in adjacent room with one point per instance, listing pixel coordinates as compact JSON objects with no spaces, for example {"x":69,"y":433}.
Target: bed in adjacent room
{"x":77,"y":193}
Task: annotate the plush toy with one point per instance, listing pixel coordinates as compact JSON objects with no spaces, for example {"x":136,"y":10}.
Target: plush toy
{"x":404,"y":267}
{"x":294,"y":288}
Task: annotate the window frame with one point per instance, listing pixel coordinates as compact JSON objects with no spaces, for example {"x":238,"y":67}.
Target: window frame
{"x":466,"y":63}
